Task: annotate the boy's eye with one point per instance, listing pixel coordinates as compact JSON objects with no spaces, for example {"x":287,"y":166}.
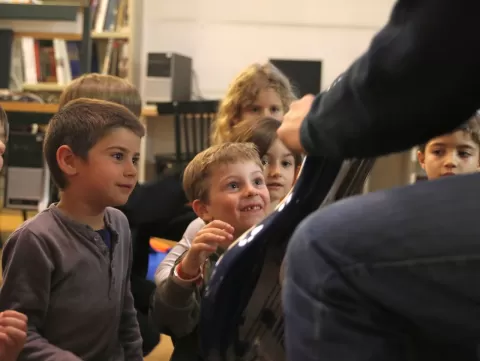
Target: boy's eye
{"x":259,"y":181}
{"x":265,"y":161}
{"x":464,"y":154}
{"x":232,"y":185}
{"x":286,"y":164}
{"x":118,"y":156}
{"x":437,"y":152}
{"x":135,"y":160}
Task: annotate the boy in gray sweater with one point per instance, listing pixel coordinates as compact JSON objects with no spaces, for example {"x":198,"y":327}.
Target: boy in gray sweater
{"x":226,"y":186}
{"x":68,"y":268}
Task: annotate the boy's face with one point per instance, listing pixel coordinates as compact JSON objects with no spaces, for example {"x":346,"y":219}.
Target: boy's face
{"x":267,"y":104}
{"x":109,"y":174}
{"x":238,"y":196}
{"x":279,"y":170}
{"x":451,"y":154}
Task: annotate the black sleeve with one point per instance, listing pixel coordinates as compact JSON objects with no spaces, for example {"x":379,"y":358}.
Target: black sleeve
{"x":419,"y":78}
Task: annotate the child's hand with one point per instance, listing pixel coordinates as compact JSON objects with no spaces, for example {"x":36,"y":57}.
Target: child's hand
{"x":13,"y":333}
{"x":214,"y":234}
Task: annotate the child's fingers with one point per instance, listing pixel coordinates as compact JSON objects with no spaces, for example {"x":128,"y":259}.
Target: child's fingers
{"x":15,"y":314}
{"x":6,"y":340}
{"x":18,"y":336}
{"x":215,"y":234}
{"x":4,"y":343}
{"x":203,"y":247}
{"x":216,"y":224}
{"x":19,"y":324}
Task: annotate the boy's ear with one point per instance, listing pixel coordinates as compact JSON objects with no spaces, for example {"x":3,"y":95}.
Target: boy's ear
{"x":201,"y":210}
{"x":66,"y":160}
{"x":421,"y":158}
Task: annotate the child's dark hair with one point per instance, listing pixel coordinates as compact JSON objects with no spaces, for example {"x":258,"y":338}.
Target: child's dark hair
{"x":472,"y":127}
{"x":262,"y":133}
{"x":80,"y":125}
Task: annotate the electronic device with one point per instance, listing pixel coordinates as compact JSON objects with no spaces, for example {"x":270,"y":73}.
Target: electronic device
{"x":26,"y":174}
{"x":305,"y":75}
{"x":168,"y":78}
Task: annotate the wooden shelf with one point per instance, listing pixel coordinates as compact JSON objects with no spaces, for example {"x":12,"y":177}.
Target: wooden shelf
{"x":29,"y":107}
{"x":35,"y":12}
{"x":119,"y":35}
{"x":43,"y":87}
{"x":53,"y":108}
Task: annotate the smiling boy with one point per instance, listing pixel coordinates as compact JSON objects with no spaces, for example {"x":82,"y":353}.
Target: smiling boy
{"x":226,"y":186}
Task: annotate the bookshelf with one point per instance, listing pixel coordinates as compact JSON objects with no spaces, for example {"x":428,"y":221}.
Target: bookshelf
{"x":69,"y":23}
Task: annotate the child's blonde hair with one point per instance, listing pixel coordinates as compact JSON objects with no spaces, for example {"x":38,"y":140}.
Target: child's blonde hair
{"x":243,"y":92}
{"x":196,"y":178}
{"x":103,"y":87}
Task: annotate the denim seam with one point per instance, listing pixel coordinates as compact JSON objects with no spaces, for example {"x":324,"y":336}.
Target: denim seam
{"x":412,"y":262}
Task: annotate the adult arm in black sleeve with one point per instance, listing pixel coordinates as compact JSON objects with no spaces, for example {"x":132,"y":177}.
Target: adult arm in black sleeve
{"x":419,"y":78}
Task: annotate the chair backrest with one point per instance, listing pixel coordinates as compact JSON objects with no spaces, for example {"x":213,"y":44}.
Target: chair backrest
{"x":192,"y":122}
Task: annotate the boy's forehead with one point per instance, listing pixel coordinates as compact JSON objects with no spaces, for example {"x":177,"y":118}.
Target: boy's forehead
{"x":240,"y":168}
{"x":120,"y":138}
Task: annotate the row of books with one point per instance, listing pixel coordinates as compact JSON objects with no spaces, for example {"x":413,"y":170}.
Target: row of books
{"x":109,"y":15}
{"x":57,"y":61}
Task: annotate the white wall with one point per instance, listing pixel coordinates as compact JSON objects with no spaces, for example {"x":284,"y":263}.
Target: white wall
{"x":223,"y":36}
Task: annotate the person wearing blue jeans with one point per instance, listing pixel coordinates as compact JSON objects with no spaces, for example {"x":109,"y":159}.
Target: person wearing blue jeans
{"x":391,"y":275}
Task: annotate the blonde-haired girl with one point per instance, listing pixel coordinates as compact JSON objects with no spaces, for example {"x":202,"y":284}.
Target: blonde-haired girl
{"x":260,"y":90}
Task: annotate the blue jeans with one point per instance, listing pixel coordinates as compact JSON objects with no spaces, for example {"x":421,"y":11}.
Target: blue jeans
{"x":392,"y":275}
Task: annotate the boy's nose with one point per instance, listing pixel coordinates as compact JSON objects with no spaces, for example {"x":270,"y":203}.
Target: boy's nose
{"x":130,"y":170}
{"x":251,"y":191}
{"x":451,"y":160}
{"x":274,"y":171}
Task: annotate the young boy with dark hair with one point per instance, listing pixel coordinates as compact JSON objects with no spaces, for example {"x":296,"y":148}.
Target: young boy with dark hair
{"x":68,"y":268}
{"x":226,"y":186}
{"x":454,"y":153}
